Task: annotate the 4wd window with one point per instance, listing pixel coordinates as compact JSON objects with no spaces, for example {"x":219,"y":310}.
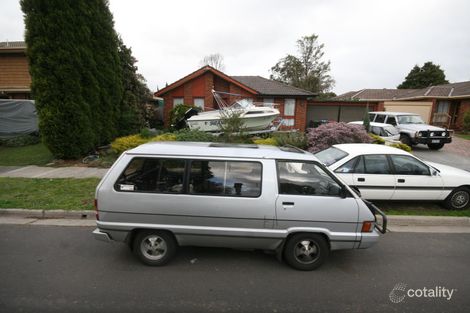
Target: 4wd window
{"x":373,"y":164}
{"x":380,"y":118}
{"x":406,"y":165}
{"x":225,"y":178}
{"x":305,"y":178}
{"x":152,"y":175}
{"x":391,"y":120}
{"x":371,"y":117}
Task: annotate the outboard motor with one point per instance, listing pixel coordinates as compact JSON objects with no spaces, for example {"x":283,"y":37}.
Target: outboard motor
{"x":181,"y":123}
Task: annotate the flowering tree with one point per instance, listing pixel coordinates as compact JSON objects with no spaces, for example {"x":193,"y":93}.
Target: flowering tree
{"x":326,"y":135}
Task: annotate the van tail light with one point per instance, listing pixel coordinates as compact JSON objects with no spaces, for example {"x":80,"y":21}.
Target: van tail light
{"x":367,"y":227}
{"x":96,"y":210}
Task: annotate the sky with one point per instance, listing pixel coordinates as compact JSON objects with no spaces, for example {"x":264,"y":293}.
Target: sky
{"x":371,"y":44}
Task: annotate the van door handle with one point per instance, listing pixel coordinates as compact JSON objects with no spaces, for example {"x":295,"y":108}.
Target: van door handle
{"x":288,"y":203}
{"x":401,"y":180}
{"x":361,"y":179}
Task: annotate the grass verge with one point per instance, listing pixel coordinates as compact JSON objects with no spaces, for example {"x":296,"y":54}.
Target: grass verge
{"x":36,"y":154}
{"x":418,"y":208}
{"x":48,"y":194}
{"x":463,"y":136}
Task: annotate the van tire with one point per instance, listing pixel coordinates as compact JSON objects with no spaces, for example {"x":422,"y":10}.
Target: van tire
{"x":306,"y":251}
{"x":153,"y":247}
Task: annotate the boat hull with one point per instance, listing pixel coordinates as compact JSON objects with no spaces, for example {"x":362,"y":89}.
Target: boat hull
{"x":212,"y":123}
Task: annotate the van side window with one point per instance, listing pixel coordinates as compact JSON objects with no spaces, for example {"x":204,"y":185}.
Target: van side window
{"x":152,"y":175}
{"x":225,"y":178}
{"x":305,"y":178}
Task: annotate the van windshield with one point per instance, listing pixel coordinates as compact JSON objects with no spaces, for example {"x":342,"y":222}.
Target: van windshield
{"x":331,"y":155}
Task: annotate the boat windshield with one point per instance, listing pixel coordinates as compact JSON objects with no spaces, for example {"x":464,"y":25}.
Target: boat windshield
{"x":242,"y":104}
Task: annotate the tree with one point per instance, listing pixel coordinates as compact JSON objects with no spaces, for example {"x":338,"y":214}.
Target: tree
{"x":215,"y":60}
{"x":76,"y":73}
{"x":306,"y":70}
{"x":135,"y":94}
{"x":420,"y":77}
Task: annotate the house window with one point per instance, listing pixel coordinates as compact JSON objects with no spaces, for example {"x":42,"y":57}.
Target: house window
{"x":269,"y":102}
{"x":289,"y":107}
{"x":289,"y":122}
{"x":199,"y":102}
{"x":177,"y":101}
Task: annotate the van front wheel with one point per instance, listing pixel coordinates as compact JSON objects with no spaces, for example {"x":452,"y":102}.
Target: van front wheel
{"x":305,"y":251}
{"x":154,"y":248}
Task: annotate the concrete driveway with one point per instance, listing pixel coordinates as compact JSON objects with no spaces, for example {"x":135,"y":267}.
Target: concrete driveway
{"x":456,"y":154}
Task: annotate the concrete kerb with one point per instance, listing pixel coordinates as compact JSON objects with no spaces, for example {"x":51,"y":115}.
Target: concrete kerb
{"x":89,"y":215}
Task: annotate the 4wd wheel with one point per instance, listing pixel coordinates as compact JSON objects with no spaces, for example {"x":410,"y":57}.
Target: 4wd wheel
{"x":305,"y":251}
{"x":459,"y":199}
{"x":435,"y":146}
{"x":154,"y":247}
{"x":406,"y":140}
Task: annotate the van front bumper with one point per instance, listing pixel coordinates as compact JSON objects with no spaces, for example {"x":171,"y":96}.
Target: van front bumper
{"x":99,"y":235}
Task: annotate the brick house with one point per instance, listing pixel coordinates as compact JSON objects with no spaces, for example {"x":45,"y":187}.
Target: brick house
{"x":441,"y":105}
{"x":15,"y":81}
{"x":196,"y":89}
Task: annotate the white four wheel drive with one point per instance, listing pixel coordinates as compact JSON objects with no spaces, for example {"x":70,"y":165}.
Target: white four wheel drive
{"x":413,"y":130}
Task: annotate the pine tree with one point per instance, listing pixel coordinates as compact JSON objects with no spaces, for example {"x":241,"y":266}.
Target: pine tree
{"x":75,"y":71}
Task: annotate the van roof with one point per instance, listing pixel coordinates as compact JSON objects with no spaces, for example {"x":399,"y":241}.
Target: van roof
{"x":207,"y":149}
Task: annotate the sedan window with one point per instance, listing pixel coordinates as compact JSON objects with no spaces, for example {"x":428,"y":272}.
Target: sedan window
{"x":373,"y":164}
{"x":406,"y":165}
{"x":348,"y":167}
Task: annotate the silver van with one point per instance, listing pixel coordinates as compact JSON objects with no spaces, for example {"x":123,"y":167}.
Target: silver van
{"x":163,"y":195}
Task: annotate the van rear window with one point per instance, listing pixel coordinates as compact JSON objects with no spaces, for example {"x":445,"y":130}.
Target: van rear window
{"x":152,"y":175}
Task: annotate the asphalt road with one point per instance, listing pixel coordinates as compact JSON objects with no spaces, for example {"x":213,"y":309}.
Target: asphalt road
{"x":62,"y":269}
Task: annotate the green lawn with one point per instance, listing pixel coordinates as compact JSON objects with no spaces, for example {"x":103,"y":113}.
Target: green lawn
{"x":428,"y":212}
{"x":36,"y":154}
{"x":48,"y":194}
{"x":466,"y":136}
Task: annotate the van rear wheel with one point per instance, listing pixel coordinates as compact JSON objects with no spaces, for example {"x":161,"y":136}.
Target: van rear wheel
{"x":305,"y":251}
{"x":154,"y":248}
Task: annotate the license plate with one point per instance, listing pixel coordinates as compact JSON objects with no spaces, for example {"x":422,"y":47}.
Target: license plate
{"x":435,"y":141}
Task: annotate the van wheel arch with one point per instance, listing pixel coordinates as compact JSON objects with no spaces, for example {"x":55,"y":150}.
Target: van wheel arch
{"x":131,"y":236}
{"x":280,"y":248}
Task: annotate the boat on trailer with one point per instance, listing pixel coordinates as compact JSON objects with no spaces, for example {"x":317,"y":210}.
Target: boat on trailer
{"x":254,"y":116}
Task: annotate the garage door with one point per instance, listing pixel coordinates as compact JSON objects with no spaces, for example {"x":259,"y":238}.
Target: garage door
{"x":335,"y":113}
{"x":422,"y":108}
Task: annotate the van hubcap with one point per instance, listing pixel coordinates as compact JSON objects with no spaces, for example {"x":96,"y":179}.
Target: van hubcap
{"x":460,"y":199}
{"x":153,"y":247}
{"x":306,"y":251}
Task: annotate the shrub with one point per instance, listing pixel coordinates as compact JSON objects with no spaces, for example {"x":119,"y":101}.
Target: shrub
{"x":194,"y":135}
{"x":401,"y":146}
{"x":147,"y":133}
{"x":267,"y":141}
{"x":377,"y":139}
{"x":296,"y":139}
{"x":164,"y":137}
{"x":122,"y":144}
{"x":466,"y":121}
{"x":330,"y":134}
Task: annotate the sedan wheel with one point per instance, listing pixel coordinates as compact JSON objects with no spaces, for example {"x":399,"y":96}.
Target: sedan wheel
{"x":154,"y":247}
{"x":459,"y":199}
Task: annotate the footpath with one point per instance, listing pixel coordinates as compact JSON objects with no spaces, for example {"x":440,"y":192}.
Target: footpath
{"x":33,"y":171}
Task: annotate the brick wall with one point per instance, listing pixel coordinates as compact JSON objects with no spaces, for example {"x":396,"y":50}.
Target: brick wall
{"x":463,"y":108}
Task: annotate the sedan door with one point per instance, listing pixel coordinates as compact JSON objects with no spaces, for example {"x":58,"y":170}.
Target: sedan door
{"x":414,"y":180}
{"x":374,"y":177}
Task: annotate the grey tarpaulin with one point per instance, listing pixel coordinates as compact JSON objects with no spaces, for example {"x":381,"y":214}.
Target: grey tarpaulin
{"x":17,"y":117}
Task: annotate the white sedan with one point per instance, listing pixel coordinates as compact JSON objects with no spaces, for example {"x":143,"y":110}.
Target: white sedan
{"x":384,"y":173}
